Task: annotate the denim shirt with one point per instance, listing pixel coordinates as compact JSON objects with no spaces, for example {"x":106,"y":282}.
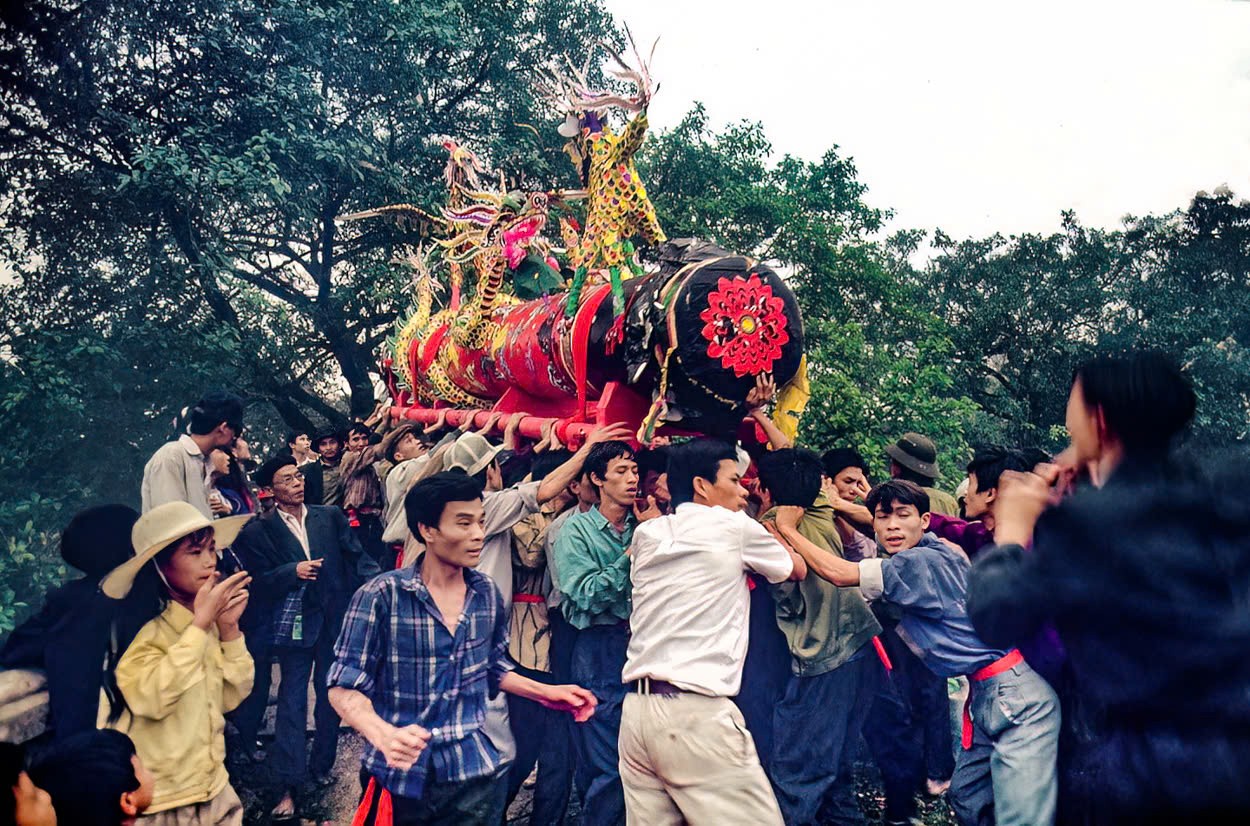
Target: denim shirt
{"x":930,"y":584}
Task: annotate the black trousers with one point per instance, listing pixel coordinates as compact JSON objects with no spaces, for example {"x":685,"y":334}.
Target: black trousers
{"x":544,"y":736}
{"x":289,"y":762}
{"x":816,"y":728}
{"x":251,"y":712}
{"x":369,"y":535}
{"x":765,"y":671}
{"x":474,"y":802}
{"x":926,"y":693}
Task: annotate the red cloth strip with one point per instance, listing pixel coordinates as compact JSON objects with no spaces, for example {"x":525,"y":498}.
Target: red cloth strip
{"x":1005,"y":663}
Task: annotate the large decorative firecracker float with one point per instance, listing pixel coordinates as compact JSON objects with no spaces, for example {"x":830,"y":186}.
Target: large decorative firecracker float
{"x":673,"y":350}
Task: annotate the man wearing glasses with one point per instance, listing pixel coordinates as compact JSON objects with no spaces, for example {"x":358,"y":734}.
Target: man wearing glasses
{"x":180,"y":471}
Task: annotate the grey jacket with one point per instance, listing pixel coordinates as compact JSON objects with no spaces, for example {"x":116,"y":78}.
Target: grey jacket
{"x":177,"y":472}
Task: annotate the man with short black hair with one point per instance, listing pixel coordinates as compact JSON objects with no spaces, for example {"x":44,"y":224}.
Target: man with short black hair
{"x":180,"y":471}
{"x":847,"y":475}
{"x":1005,"y":771}
{"x":593,"y":567}
{"x":421,"y":650}
{"x":976,"y":531}
{"x":329,"y":445}
{"x":835,"y":671}
{"x":305,"y":562}
{"x":686,"y":755}
{"x":300,"y":446}
{"x":95,"y":778}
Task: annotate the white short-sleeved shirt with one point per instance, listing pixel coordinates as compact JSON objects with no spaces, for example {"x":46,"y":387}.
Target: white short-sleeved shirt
{"x":690,"y":596}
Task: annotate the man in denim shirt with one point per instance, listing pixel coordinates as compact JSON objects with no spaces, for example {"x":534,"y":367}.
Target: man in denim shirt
{"x":1005,"y":772}
{"x":420,"y":651}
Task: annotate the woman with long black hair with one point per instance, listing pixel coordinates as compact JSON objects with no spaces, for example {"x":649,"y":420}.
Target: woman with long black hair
{"x":1146,"y":576}
{"x":187,"y":665}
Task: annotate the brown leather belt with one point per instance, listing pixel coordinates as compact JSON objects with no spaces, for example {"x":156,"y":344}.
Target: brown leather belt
{"x":649,"y":686}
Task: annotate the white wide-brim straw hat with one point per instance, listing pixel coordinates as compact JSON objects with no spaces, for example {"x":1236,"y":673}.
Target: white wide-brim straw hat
{"x":156,"y":530}
{"x":471,"y":453}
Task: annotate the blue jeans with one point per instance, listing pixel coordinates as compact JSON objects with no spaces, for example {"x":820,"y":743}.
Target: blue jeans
{"x":598,"y":659}
{"x":1008,"y":776}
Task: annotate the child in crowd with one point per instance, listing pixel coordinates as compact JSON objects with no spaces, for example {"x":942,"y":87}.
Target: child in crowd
{"x":95,"y":778}
{"x":1005,"y":772}
{"x":186,"y":667}
{"x":22,"y":803}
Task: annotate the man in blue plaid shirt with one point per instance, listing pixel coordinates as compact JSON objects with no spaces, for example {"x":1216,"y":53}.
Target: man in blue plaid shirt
{"x":420,"y":651}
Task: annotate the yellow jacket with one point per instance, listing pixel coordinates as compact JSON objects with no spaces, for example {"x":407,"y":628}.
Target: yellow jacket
{"x":178,"y":682}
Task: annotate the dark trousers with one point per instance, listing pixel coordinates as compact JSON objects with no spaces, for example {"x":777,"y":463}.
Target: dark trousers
{"x":288,"y":760}
{"x":475,"y":802}
{"x":369,"y":535}
{"x":544,"y":736}
{"x":926,"y":693}
{"x":816,"y":728}
{"x":895,"y":742}
{"x":247,"y":718}
{"x":765,"y":671}
{"x":542,"y":739}
{"x":598,"y":659}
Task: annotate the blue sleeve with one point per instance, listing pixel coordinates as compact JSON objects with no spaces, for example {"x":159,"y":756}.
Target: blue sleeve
{"x":360,"y":648}
{"x":909,"y":581}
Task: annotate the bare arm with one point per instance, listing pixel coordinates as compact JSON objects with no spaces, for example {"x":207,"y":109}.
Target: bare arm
{"x":571,"y":698}
{"x":776,"y":439}
{"x":757,"y":399}
{"x":560,"y":478}
{"x":400,"y":746}
{"x":826,"y":565}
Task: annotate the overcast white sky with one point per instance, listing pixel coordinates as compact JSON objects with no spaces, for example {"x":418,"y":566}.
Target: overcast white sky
{"x":976,"y":117}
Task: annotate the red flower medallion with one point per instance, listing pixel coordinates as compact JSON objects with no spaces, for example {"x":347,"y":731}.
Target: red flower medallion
{"x":745,"y":325}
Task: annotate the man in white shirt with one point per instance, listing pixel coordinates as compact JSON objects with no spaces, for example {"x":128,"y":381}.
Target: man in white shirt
{"x":179,"y":471}
{"x":685,"y":753}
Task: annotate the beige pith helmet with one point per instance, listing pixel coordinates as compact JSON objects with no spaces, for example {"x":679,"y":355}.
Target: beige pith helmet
{"x":159,"y":527}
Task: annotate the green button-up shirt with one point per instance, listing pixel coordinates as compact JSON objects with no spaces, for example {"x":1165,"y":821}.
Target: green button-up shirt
{"x":594,"y":570}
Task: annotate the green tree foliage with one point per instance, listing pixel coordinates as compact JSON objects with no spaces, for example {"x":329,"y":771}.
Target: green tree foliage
{"x":170,"y":174}
{"x":878,"y":360}
{"x":198,"y":154}
{"x":1024,"y":312}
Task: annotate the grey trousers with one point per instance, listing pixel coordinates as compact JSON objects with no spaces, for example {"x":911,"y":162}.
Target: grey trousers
{"x":1008,"y":777}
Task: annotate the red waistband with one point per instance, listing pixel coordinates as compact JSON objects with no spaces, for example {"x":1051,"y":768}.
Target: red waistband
{"x":1005,"y":663}
{"x":535,"y":598}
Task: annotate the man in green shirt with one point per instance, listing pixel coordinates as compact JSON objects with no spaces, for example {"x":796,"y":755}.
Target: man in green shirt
{"x":594,"y":575}
{"x":817,"y":723}
{"x":913,"y":458}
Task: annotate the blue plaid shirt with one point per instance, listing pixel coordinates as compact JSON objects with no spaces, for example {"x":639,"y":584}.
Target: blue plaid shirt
{"x":395,"y":649}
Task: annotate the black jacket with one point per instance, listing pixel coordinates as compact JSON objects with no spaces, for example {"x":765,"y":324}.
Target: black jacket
{"x":68,"y":640}
{"x":270,"y":553}
{"x":1148,"y":584}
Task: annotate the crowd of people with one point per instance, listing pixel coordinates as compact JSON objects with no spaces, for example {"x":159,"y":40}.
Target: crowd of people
{"x":699,"y":631}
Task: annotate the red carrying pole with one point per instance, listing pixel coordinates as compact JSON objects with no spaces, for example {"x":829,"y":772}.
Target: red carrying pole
{"x":531,"y":427}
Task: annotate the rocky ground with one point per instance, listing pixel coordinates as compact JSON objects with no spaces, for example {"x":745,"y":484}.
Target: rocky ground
{"x":336,"y":804}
